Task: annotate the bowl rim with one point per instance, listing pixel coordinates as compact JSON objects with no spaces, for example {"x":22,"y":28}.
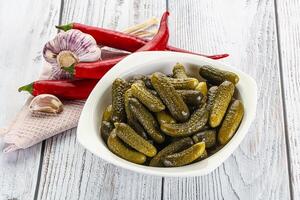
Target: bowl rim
{"x":134,"y":60}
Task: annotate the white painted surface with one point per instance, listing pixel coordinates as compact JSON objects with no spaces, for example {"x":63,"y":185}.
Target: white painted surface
{"x":245,"y":29}
{"x":289,"y":32}
{"x":25,"y":27}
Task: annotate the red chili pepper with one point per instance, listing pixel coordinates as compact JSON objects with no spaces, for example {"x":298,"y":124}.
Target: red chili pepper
{"x":65,"y":89}
{"x":95,"y":70}
{"x":121,"y":40}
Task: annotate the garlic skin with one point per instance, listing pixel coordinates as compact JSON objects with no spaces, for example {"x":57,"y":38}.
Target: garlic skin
{"x":46,"y":103}
{"x":69,"y":48}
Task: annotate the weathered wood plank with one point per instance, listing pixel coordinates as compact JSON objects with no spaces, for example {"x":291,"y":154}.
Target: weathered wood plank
{"x":246,"y":30}
{"x":69,"y":171}
{"x":25,"y":26}
{"x":289,"y":32}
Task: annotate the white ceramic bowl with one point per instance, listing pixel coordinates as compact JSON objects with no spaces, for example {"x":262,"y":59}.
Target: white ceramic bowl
{"x":146,"y":63}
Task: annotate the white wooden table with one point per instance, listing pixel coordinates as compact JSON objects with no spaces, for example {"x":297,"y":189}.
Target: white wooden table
{"x":263,"y":39}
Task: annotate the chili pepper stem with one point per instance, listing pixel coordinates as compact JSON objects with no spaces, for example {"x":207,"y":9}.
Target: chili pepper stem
{"x":28,"y":88}
{"x":70,"y":69}
{"x":65,"y":27}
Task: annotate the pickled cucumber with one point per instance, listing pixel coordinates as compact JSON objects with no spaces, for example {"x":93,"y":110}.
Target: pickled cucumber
{"x":202,"y":157}
{"x":170,"y":97}
{"x":138,"y":128}
{"x":172,"y":148}
{"x":202,"y":87}
{"x":185,"y":157}
{"x":191,"y":97}
{"x":164,"y":118}
{"x":179,"y":71}
{"x":217,"y":76}
{"x":197,"y":121}
{"x":134,"y":140}
{"x":152,"y":102}
{"x":118,"y":109}
{"x":106,"y":128}
{"x":143,"y":78}
{"x":207,"y":136}
{"x":127,"y":95}
{"x":118,"y":148}
{"x":182,"y":83}
{"x":211,"y":96}
{"x":231,"y":121}
{"x":220,"y":103}
{"x":146,"y":119}
{"x":106,"y":116}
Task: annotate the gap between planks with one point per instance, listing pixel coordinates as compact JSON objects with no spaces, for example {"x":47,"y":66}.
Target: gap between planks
{"x":286,"y":131}
{"x":37,"y":186}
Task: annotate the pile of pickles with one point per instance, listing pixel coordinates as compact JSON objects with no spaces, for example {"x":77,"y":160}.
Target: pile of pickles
{"x":172,"y":120}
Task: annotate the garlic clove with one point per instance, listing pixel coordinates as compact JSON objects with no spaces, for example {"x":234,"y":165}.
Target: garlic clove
{"x":46,"y":103}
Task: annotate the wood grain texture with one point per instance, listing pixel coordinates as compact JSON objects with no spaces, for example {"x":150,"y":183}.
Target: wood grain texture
{"x":245,"y":29}
{"x":289,"y":35}
{"x":24,"y":30}
{"x":69,"y":171}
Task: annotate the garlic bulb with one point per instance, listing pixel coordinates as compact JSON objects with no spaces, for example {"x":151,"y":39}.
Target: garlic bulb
{"x":46,"y":103}
{"x":69,"y":48}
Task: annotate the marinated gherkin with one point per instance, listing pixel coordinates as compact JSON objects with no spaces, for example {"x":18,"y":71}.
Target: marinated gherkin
{"x":146,"y":119}
{"x":191,"y":97}
{"x":152,"y":102}
{"x":182,"y":83}
{"x":207,"y":136}
{"x":202,"y":87}
{"x":118,"y":109}
{"x":174,"y":147}
{"x":118,"y":148}
{"x":231,"y":121}
{"x":164,"y":118}
{"x":197,"y":121}
{"x":220,"y":103}
{"x":179,"y":71}
{"x":134,"y":140}
{"x":170,"y":97}
{"x":106,"y":128}
{"x":216,"y":76}
{"x":185,"y":157}
{"x":106,"y":116}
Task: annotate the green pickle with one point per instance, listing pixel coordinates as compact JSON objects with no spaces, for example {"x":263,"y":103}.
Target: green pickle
{"x":179,"y":71}
{"x":211,"y":96}
{"x":216,"y":76}
{"x":134,"y":140}
{"x":220,"y":103}
{"x":164,"y":118}
{"x":172,"y":148}
{"x":118,"y":109}
{"x":182,"y":83}
{"x":146,"y":119}
{"x":138,"y":128}
{"x":170,"y":97}
{"x":231,"y":122}
{"x":106,"y":116}
{"x":202,"y":157}
{"x":127,"y":95}
{"x":191,"y":97}
{"x":152,"y":102}
{"x":207,"y":136}
{"x":119,"y":148}
{"x":106,"y":128}
{"x":197,"y":121}
{"x":185,"y":157}
{"x":202,"y":87}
